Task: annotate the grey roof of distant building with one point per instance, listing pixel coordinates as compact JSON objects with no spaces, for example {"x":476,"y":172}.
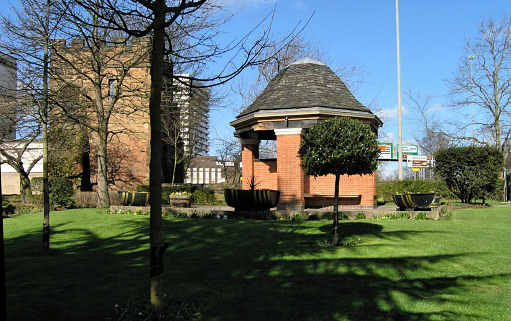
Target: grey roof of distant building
{"x":304,"y":84}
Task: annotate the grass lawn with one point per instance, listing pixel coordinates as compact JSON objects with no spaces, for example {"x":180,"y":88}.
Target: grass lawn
{"x":230,"y":270}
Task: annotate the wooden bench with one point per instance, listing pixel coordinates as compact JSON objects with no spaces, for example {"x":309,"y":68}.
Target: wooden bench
{"x":318,"y":200}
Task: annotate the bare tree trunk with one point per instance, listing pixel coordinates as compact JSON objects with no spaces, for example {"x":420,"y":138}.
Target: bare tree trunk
{"x":25,"y":188}
{"x":335,"y":237}
{"x":44,"y":114}
{"x":103,"y":197}
{"x":85,"y":183}
{"x":46,"y":194}
{"x":157,"y":247}
{"x":174,"y":167}
{"x":498,"y":143}
{"x":3,"y":301}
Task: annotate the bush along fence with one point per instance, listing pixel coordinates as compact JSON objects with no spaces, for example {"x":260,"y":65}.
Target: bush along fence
{"x":60,"y":191}
{"x":386,"y":190}
{"x":201,"y":195}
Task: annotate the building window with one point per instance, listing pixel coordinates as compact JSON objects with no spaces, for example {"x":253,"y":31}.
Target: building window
{"x":111,"y":88}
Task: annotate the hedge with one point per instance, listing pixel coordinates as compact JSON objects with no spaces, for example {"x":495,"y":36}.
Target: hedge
{"x":386,"y":189}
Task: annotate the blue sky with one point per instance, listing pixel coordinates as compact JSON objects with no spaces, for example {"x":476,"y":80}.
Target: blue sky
{"x":362,"y":33}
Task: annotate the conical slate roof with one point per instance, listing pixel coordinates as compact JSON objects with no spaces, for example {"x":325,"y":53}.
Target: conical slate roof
{"x":304,"y":84}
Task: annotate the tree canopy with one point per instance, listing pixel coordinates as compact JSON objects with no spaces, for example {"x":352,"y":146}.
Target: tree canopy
{"x":339,"y":146}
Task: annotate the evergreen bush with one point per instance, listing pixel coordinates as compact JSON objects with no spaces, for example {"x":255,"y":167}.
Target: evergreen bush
{"x":470,"y":172}
{"x":61,"y":192}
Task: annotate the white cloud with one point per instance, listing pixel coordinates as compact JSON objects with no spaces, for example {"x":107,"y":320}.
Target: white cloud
{"x":386,"y":137}
{"x":390,"y":113}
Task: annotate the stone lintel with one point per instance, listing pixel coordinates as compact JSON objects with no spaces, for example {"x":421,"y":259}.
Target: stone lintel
{"x":288,"y":131}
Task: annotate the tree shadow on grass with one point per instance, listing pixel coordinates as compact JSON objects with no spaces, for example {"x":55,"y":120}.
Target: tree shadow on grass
{"x":228,"y":270}
{"x":260,"y":273}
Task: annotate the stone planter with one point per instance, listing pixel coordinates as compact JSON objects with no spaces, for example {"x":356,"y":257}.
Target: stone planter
{"x":259,"y":200}
{"x":133,"y":198}
{"x":413,"y":201}
{"x":180,"y":200}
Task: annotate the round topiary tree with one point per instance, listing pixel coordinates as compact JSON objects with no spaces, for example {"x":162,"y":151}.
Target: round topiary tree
{"x":339,"y":146}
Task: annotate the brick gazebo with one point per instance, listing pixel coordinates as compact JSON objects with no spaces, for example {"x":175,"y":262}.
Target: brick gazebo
{"x":301,"y":95}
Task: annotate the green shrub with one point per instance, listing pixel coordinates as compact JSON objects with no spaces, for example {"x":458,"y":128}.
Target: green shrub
{"x":36,"y":183}
{"x":27,"y":209}
{"x":167,"y":189}
{"x":445,"y":212}
{"x":380,"y":200}
{"x":393,"y":216}
{"x":8,"y":208}
{"x":350,"y":241}
{"x":421,"y":216}
{"x":470,"y":172}
{"x":385,"y":190}
{"x":61,"y":192}
{"x":297,"y":218}
{"x":498,"y":193}
{"x":403,"y":215}
{"x":204,"y":197}
{"x":361,"y":216}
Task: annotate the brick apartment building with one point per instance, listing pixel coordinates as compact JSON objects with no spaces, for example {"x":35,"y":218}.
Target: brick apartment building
{"x":301,"y":95}
{"x":10,"y":177}
{"x":7,"y":91}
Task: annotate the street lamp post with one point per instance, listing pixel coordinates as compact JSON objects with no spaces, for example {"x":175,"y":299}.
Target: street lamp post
{"x":400,"y":129}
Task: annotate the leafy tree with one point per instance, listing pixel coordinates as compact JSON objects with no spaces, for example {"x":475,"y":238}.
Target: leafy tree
{"x":470,"y":171}
{"x":339,"y":146}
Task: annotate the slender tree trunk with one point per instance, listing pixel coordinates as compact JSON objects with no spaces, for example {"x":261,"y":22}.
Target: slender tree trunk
{"x":157,"y":247}
{"x":3,"y":301}
{"x":498,"y":143}
{"x":174,"y":163}
{"x":44,"y":114}
{"x":103,"y":197}
{"x":25,"y":188}
{"x":335,"y":237}
{"x":85,"y":183}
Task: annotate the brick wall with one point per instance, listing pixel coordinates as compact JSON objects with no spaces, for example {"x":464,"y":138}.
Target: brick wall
{"x":247,"y":170}
{"x":364,"y":185}
{"x":265,"y":172}
{"x":290,"y":174}
{"x":286,"y":175}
